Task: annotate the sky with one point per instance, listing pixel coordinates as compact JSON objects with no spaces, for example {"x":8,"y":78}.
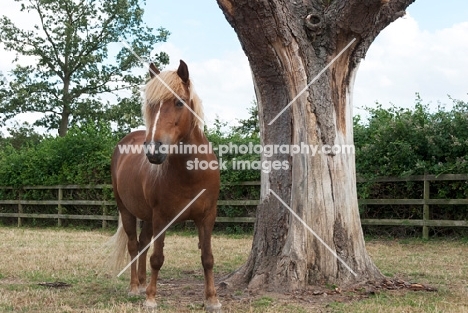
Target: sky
{"x":424,"y":52}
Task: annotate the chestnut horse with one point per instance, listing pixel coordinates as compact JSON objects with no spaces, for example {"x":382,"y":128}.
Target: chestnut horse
{"x":155,"y":186}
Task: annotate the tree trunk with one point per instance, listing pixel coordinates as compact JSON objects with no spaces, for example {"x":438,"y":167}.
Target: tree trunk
{"x":65,"y":115}
{"x":288,"y":44}
{"x":63,"y":127}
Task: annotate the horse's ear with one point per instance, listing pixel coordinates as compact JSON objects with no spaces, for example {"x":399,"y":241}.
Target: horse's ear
{"x":153,"y":70}
{"x":182,"y":71}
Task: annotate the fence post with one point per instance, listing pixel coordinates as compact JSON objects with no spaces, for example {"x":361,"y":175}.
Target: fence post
{"x":20,"y":207}
{"x":60,"y":208}
{"x":104,"y":213}
{"x":426,"y":212}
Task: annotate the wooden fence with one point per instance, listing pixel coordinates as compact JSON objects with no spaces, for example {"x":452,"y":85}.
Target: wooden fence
{"x":425,"y":203}
{"x":60,"y":203}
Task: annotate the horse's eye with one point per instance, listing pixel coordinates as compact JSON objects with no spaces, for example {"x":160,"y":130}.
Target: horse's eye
{"x":179,"y":103}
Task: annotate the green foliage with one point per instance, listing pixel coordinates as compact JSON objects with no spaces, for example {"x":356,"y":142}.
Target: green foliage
{"x":127,"y":114}
{"x":82,"y":157}
{"x":245,"y":134}
{"x":402,"y":142}
{"x":74,"y":69}
{"x":250,"y":127}
{"x":218,"y":135}
{"x":21,"y":136}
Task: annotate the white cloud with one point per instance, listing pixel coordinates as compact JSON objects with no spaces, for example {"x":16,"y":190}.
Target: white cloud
{"x":225,"y":86}
{"x":405,"y":60}
{"x":23,"y":20}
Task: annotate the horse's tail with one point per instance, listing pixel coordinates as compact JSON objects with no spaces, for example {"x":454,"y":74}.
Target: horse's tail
{"x":118,"y":243}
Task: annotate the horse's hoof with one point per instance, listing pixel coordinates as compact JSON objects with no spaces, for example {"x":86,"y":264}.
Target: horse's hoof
{"x":150,"y":304}
{"x":213,"y":307}
{"x":142,"y":290}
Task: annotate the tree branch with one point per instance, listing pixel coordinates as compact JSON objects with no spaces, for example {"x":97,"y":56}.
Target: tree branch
{"x":47,"y":111}
{"x":49,"y":38}
{"x":227,"y":8}
{"x":363,"y":19}
{"x":87,"y":50}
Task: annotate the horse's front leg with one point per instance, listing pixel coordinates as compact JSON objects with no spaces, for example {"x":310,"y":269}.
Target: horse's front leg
{"x":156,"y":262}
{"x":144,"y":240}
{"x":205,"y":229}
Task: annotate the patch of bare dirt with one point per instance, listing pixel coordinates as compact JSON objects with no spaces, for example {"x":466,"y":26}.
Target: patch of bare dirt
{"x":187,"y":293}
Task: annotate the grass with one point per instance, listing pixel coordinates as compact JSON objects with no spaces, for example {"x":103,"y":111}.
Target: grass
{"x":439,"y":263}
{"x":263,"y":302}
{"x":31,"y":256}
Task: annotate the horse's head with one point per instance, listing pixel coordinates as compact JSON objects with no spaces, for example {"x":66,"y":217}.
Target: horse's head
{"x":168,"y":108}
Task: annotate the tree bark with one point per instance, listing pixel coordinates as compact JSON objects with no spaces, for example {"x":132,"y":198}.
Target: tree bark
{"x":288,"y":43}
{"x":65,"y":115}
{"x":64,"y":120}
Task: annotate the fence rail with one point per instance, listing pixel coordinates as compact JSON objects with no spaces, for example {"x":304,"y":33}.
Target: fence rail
{"x":425,"y":222}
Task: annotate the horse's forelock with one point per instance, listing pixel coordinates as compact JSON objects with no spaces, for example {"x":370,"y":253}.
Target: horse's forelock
{"x":155,"y":91}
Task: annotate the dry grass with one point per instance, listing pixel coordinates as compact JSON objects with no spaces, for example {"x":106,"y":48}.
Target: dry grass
{"x":439,"y":263}
{"x":31,"y":256}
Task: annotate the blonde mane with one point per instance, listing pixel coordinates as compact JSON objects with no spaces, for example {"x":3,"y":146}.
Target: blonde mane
{"x":156,"y":91}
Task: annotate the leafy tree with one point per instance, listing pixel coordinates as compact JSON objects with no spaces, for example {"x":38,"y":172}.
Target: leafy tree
{"x":72,"y":46}
{"x":127,"y":114}
{"x":250,"y":127}
{"x":21,"y":136}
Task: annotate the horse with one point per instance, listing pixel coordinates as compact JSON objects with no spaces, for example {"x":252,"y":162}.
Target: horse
{"x":156,"y":184}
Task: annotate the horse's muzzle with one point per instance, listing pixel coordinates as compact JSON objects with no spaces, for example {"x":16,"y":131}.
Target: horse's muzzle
{"x":153,"y":154}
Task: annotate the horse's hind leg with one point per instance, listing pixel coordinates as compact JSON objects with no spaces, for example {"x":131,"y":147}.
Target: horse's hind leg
{"x":129,"y":225}
{"x":144,"y":240}
{"x":205,"y":229}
